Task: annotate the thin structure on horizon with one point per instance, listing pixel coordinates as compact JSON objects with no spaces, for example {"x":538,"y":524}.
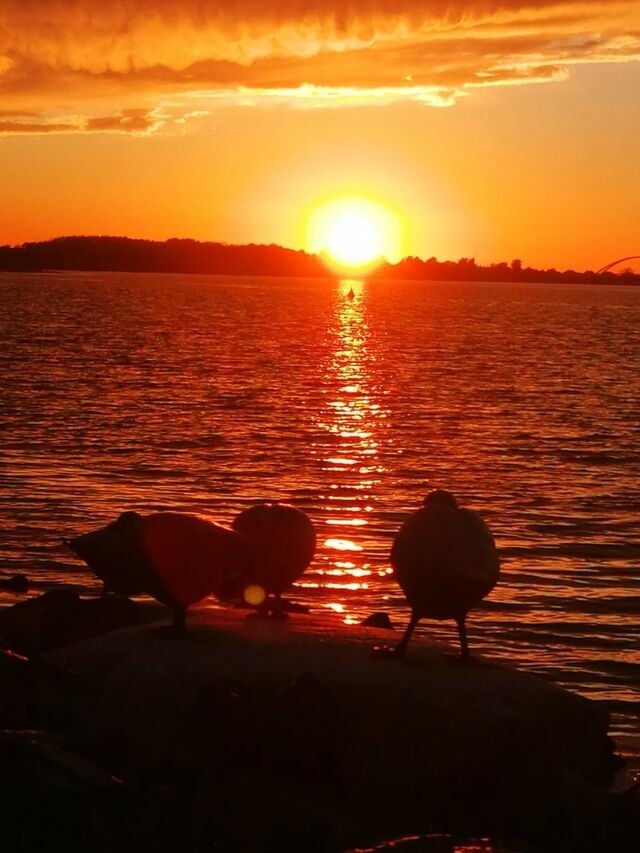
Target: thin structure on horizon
{"x":613,"y":264}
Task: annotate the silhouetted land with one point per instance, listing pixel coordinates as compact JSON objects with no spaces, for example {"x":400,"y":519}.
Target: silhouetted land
{"x":122,"y":254}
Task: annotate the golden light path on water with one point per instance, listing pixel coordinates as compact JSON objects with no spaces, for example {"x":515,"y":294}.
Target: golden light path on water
{"x":206,"y":395}
{"x":353,"y":421}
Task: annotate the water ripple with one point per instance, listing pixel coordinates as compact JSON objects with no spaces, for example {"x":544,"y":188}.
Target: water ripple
{"x":206,"y":395}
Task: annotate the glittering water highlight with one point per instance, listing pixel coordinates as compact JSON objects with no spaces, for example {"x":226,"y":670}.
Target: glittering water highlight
{"x":350,"y":400}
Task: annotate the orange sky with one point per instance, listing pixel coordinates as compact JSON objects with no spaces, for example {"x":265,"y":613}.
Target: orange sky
{"x":493,"y":129}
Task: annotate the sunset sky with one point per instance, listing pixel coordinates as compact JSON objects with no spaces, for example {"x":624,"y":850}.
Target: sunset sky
{"x":490,"y":129}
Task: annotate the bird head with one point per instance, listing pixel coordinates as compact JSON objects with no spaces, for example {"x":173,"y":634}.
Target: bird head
{"x":128,"y":521}
{"x":440,"y":498}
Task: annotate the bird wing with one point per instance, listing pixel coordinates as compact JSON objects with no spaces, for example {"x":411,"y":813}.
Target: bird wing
{"x":191,"y":556}
{"x":421,"y":551}
{"x":476,"y":554}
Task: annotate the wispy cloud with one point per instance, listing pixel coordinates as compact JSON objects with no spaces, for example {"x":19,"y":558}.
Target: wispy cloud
{"x":10,"y":126}
{"x":113,"y":65}
{"x":136,"y":122}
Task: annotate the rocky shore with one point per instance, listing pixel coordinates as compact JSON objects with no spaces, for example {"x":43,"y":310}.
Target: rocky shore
{"x":285,"y":736}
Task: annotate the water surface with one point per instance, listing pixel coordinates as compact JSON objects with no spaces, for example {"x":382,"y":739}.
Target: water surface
{"x":207,"y":394}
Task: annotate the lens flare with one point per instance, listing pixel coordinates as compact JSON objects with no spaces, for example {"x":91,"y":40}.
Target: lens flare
{"x":254,"y":595}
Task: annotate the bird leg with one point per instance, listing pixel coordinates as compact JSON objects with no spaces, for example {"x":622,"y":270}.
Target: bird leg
{"x":277,"y":607}
{"x":398,"y":651}
{"x":462,"y":633}
{"x":404,"y":642}
{"x":271,"y":608}
{"x":178,"y":627}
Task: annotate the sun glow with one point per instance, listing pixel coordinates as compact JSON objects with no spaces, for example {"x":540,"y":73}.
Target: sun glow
{"x":354,"y":233}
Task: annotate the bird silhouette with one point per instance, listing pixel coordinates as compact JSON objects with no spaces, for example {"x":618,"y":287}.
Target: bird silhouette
{"x":112,"y":553}
{"x":445,"y":559}
{"x":176,"y":558}
{"x":288,"y":541}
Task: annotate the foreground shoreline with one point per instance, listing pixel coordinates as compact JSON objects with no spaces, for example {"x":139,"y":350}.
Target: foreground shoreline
{"x":291,"y":736}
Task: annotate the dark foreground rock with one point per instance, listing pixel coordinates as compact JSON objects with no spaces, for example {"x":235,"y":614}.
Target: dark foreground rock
{"x":59,"y":616}
{"x":290,"y":736}
{"x":53,"y":798}
{"x":378,"y":620}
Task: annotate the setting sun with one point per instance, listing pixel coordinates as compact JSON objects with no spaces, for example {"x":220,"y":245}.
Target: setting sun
{"x":354,"y":232}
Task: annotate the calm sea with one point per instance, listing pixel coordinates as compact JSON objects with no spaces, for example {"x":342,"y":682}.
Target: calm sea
{"x":206,"y":394}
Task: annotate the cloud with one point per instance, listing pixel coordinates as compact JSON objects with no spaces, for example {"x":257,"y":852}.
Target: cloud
{"x":136,"y":122}
{"x":112,"y":64}
{"x":128,"y":121}
{"x":10,"y":126}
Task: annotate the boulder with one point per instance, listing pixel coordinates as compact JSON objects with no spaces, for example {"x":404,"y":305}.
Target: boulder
{"x":378,"y":620}
{"x":37,"y":694}
{"x":291,"y":719}
{"x":15,"y":583}
{"x":59,"y":616}
{"x":55,"y":799}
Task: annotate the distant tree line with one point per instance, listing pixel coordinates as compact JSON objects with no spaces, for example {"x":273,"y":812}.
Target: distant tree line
{"x":466,"y":269}
{"x":123,"y":254}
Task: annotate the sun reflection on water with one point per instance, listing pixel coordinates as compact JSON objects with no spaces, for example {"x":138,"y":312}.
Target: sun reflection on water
{"x":351,"y":423}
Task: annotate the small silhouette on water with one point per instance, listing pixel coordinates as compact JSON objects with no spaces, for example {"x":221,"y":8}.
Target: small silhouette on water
{"x":378,"y":620}
{"x":179,"y":559}
{"x":15,"y":583}
{"x":445,"y":559}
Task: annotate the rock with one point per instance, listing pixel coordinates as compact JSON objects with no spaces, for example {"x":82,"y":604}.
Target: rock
{"x":37,"y":694}
{"x":99,"y":615}
{"x":298,"y":717}
{"x":60,"y":762}
{"x":36,"y":759}
{"x":378,"y":620}
{"x":60,"y":616}
{"x":54,"y":799}
{"x":41,"y":622}
{"x":15,"y":583}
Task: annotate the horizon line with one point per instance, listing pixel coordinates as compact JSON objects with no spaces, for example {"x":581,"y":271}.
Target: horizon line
{"x":379,"y":261}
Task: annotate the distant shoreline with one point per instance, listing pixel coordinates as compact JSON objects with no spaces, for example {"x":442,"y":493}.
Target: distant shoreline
{"x":190,"y":257}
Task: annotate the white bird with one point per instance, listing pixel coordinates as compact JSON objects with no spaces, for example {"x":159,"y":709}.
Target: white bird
{"x":176,"y":558}
{"x":287,"y":538}
{"x":446,"y":561}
